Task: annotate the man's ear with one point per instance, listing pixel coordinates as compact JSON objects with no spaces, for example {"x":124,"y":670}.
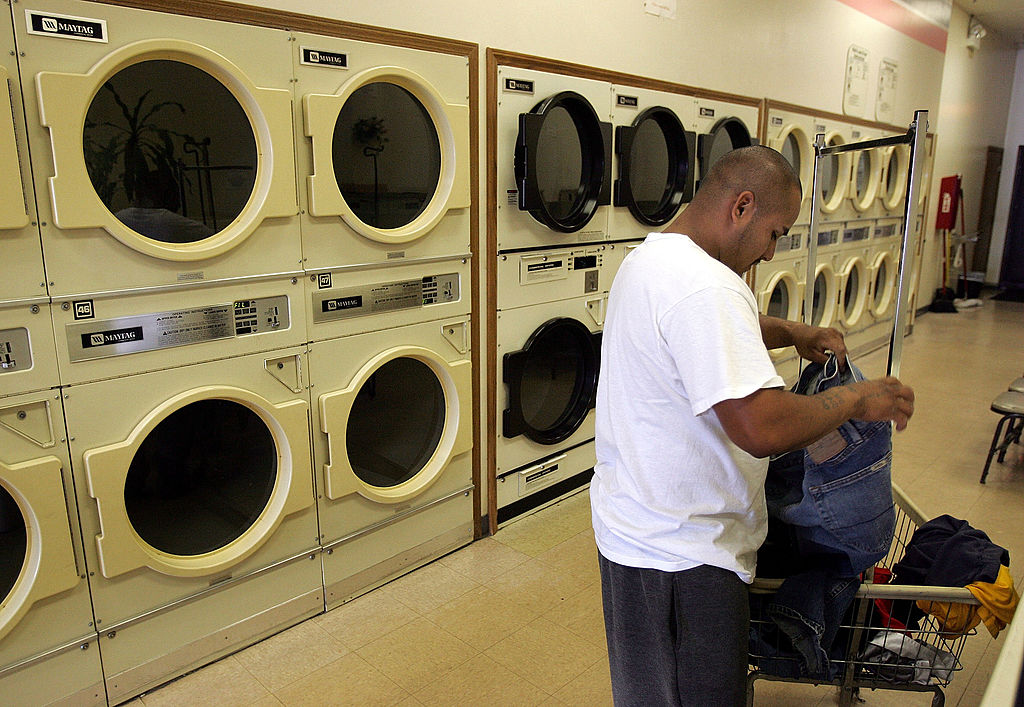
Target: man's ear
{"x":743,"y":207}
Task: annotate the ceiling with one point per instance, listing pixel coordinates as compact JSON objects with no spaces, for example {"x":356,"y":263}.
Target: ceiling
{"x":1003,"y":16}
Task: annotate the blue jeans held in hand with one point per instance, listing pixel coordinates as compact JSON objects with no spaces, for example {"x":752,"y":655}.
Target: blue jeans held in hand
{"x":837,"y":493}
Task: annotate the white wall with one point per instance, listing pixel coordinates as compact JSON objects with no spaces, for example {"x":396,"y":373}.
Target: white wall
{"x":976,"y":91}
{"x":1014,"y":138}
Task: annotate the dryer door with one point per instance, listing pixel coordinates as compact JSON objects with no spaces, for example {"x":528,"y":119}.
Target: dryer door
{"x":883,"y":284}
{"x":726,"y":135}
{"x":552,"y":381}
{"x":563,"y":162}
{"x":168,"y":147}
{"x":834,"y":175}
{"x":393,"y":431}
{"x":867,"y":177}
{"x":390,"y":156}
{"x":825,"y":302}
{"x":201,"y":482}
{"x":37,"y":558}
{"x":854,"y":279}
{"x":656,"y":166}
{"x":798,"y":148}
{"x":894,"y":179}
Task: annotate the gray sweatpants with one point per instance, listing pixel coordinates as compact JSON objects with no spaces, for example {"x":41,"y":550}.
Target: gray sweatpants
{"x":675,"y":638}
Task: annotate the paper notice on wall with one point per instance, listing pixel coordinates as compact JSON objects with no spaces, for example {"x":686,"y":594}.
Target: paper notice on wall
{"x":885,"y":101}
{"x":661,"y":8}
{"x":855,"y":91}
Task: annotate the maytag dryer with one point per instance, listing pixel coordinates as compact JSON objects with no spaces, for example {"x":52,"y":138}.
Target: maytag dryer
{"x":392,"y":406}
{"x":49,"y":648}
{"x":778,"y":286}
{"x":162,"y":146}
{"x":551,"y":308}
{"x":722,"y":126}
{"x":655,"y":160}
{"x":894,"y":180}
{"x":866,"y":177}
{"x":189,"y":435}
{"x":792,"y":134}
{"x":384,"y":153}
{"x":554,"y":159}
{"x":23,"y":277}
{"x":834,"y":178}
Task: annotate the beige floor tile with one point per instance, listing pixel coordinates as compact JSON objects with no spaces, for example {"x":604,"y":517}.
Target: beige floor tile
{"x":546,"y":654}
{"x":365,"y":618}
{"x":481,"y":681}
{"x":484,"y":560}
{"x":282,"y":659}
{"x":429,"y":587}
{"x":225,"y":682}
{"x":415,"y":654}
{"x":481,"y":617}
{"x":577,"y":555}
{"x":537,"y":585}
{"x":772,"y":693}
{"x":583,"y":614}
{"x":592,"y":688}
{"x":350,"y":680}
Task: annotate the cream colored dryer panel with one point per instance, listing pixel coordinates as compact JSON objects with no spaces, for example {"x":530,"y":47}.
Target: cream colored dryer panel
{"x":44,"y":596}
{"x":185,"y":168}
{"x":384,"y":153}
{"x":394,"y":422}
{"x":518,"y":92}
{"x":19,"y":234}
{"x":28,"y":360}
{"x":345,"y":302}
{"x":165,"y":513}
{"x":628,"y":103}
{"x":537,"y":277}
{"x":105,"y":337}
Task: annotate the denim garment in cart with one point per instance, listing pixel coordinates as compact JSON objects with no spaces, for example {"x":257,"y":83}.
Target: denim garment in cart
{"x":837,"y":493}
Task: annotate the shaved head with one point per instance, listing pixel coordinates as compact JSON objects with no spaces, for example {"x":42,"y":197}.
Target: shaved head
{"x":759,"y":169}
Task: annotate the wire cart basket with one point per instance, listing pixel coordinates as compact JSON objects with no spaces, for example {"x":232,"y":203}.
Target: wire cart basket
{"x":879,"y":617}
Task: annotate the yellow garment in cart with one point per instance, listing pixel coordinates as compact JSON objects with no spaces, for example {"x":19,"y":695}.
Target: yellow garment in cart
{"x":998,"y":603}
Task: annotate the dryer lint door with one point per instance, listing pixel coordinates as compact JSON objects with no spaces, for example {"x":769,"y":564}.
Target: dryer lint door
{"x":19,"y":236}
{"x":201,"y":482}
{"x":42,"y":579}
{"x":655,"y":160}
{"x":165,"y":151}
{"x":384,"y":150}
{"x":396,"y":425}
{"x":722,"y":127}
{"x":554,"y":159}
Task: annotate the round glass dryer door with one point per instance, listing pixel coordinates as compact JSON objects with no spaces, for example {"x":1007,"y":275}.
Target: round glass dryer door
{"x":176,"y":166}
{"x":396,"y":423}
{"x":824,"y":299}
{"x":201,"y":478}
{"x":552,"y":381}
{"x":897,"y":164}
{"x":834,"y":175}
{"x":387,"y":155}
{"x":866,"y":177}
{"x":563,"y":161}
{"x":13,"y":543}
{"x":656,"y":166}
{"x":728,"y":134}
{"x":854,"y":292}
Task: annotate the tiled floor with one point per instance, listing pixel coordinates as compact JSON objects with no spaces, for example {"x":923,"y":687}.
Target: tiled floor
{"x":515,"y":619}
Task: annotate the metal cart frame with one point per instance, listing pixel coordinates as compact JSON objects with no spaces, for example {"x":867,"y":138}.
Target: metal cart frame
{"x":868,"y":620}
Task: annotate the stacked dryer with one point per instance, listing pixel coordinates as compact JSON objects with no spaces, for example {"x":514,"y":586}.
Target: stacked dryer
{"x":46,"y":621}
{"x":164,"y":165}
{"x":384,"y":149}
{"x":553,"y":163}
{"x":779,"y":283}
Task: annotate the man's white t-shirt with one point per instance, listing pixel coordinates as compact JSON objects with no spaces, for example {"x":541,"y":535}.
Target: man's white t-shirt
{"x":670,"y":490}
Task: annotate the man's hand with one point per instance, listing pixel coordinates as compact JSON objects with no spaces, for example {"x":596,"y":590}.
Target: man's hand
{"x":813,"y":342}
{"x":885,"y":399}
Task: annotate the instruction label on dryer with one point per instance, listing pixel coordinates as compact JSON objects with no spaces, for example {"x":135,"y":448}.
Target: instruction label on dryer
{"x":15,"y":352}
{"x":342,"y":303}
{"x":162,"y":330}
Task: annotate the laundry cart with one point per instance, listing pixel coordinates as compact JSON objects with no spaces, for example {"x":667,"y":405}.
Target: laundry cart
{"x":874,"y":647}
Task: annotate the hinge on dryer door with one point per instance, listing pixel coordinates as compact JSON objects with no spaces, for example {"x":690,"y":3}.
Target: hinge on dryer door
{"x":288,"y":370}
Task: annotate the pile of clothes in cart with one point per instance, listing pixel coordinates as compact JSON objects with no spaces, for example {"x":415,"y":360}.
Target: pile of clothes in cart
{"x":831,"y":519}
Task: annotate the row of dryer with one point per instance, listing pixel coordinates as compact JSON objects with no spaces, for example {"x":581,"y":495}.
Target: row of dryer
{"x":584,"y":169}
{"x":235,"y":341}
